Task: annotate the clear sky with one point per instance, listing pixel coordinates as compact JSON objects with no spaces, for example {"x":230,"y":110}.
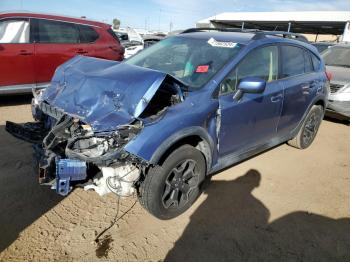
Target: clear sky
{"x":159,"y":14}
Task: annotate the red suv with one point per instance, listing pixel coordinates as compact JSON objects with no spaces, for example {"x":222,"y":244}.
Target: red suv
{"x":33,"y":45}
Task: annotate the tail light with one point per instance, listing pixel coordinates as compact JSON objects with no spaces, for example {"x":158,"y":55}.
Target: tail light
{"x":329,"y":75}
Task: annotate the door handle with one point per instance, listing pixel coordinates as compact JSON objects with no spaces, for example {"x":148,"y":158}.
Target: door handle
{"x":276,"y":98}
{"x":25,"y":52}
{"x":306,"y":89}
{"x":82,"y":51}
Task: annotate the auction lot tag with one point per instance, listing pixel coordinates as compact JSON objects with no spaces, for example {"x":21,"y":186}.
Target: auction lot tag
{"x":215,"y":43}
{"x":202,"y":69}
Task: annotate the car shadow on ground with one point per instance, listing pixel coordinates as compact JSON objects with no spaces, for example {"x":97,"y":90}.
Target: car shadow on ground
{"x":22,"y":199}
{"x":233,"y":225}
{"x":15,"y":100}
{"x":336,"y":120}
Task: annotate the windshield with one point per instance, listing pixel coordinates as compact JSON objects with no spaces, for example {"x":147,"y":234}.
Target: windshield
{"x":193,"y":61}
{"x":337,"y":56}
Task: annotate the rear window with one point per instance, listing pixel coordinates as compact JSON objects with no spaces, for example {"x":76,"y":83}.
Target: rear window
{"x":316,"y":62}
{"x":56,"y":32}
{"x":308,"y":63}
{"x":14,"y":31}
{"x":87,"y":34}
{"x":337,"y":56}
{"x":295,"y":61}
{"x":113,"y":34}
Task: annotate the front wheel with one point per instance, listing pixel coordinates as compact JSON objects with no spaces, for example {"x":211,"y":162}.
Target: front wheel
{"x":170,"y":189}
{"x":308,"y":130}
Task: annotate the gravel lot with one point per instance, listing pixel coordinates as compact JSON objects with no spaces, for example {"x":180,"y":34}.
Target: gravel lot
{"x":283,"y":205}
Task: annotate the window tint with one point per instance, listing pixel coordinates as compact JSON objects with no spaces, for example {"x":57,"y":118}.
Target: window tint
{"x":56,"y":32}
{"x":14,"y":31}
{"x":293,"y":61}
{"x":116,"y":35}
{"x":87,"y":34}
{"x":262,"y":62}
{"x":308,"y":63}
{"x":316,"y":62}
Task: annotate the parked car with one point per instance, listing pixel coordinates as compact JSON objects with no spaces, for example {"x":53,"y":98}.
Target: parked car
{"x":178,"y":111}
{"x":337,"y":59}
{"x":134,"y":42}
{"x":32,"y":46}
{"x":322,"y":46}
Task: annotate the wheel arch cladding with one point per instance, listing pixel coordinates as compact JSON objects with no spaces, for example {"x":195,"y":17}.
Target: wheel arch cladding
{"x":194,"y":136}
{"x":321,"y":102}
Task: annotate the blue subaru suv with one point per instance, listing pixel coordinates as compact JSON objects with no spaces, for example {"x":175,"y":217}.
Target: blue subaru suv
{"x":158,"y":123}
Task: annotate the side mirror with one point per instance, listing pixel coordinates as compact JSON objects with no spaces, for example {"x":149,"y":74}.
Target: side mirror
{"x":250,"y":85}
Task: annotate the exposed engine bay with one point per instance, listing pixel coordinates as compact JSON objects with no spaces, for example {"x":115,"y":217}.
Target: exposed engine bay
{"x":71,"y":152}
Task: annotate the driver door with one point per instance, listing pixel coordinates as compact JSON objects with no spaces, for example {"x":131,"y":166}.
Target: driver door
{"x":252,"y":120}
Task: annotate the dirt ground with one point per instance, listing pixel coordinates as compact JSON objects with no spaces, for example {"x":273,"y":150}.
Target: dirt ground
{"x":283,"y":205}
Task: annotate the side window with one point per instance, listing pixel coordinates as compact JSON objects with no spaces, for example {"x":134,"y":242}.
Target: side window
{"x":308,"y":63}
{"x":56,"y":32}
{"x":316,"y":62}
{"x":261,"y":62}
{"x":293,"y":61}
{"x":14,"y":31}
{"x":87,"y":34}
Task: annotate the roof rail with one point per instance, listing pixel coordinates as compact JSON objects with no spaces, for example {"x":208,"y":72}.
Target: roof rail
{"x":295,"y":36}
{"x":200,"y":29}
{"x":259,"y":34}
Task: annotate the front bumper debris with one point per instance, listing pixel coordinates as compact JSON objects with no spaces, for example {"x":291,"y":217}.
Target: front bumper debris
{"x":69,"y":154}
{"x":68,"y":170}
{"x":30,"y":132}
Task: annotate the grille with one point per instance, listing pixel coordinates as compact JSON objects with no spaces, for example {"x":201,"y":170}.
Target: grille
{"x":335,"y":87}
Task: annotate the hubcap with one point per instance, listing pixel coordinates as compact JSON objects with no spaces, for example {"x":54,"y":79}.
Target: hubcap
{"x":181,"y":183}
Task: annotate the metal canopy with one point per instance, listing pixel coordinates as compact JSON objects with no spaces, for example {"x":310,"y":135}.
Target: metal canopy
{"x":325,"y":22}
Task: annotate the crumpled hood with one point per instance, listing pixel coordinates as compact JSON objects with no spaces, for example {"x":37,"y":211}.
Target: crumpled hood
{"x":102,"y":93}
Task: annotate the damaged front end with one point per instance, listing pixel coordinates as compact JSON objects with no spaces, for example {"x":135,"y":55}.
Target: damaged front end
{"x":70,"y":154}
{"x":92,"y":109}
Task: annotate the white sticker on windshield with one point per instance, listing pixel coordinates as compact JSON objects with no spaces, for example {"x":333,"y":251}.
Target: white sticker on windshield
{"x":213,"y":42}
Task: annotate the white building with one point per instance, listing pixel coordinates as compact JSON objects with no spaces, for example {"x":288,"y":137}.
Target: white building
{"x":312,"y":22}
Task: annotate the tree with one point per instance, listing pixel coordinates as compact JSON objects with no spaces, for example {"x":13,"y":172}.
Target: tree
{"x":116,"y":23}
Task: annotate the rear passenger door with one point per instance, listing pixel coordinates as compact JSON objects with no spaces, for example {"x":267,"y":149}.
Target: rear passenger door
{"x":88,"y":40}
{"x":16,"y":52}
{"x":55,"y":43}
{"x":299,"y":82}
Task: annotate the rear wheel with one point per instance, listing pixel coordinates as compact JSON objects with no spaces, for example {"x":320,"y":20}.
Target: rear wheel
{"x":308,"y":130}
{"x":170,"y":189}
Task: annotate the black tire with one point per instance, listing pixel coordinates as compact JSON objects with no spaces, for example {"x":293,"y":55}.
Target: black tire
{"x":309,"y":128}
{"x":170,"y":189}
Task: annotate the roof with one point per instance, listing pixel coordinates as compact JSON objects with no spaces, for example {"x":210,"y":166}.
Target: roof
{"x":243,"y":38}
{"x":53,"y":17}
{"x":237,"y":37}
{"x":324,"y":22}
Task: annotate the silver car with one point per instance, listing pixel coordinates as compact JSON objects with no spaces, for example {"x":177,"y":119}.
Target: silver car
{"x":337,"y":60}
